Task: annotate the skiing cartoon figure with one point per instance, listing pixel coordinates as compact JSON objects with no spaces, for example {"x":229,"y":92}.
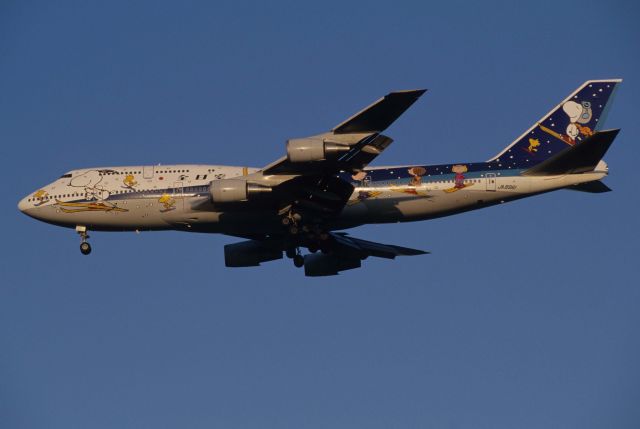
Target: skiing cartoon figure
{"x":416,"y":175}
{"x":363,"y":196}
{"x":359,"y":176}
{"x":168,"y":202}
{"x":41,"y":196}
{"x":129,"y":181}
{"x":459,"y":170}
{"x":458,"y":182}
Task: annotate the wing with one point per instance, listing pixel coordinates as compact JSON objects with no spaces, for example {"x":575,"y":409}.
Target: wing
{"x":355,"y":156}
{"x":378,"y":116}
{"x":307,"y":189}
{"x":349,"y":146}
{"x":305,"y":180}
{"x":340,"y":252}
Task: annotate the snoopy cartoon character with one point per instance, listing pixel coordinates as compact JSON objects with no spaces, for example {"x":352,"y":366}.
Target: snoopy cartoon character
{"x":90,"y":182}
{"x":416,"y":175}
{"x":579,"y":114}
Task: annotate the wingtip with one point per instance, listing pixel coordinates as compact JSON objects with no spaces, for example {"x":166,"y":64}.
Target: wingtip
{"x":414,"y":252}
{"x":415,"y":92}
{"x":616,"y":80}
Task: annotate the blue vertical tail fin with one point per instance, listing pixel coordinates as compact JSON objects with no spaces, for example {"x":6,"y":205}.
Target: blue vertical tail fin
{"x":568,"y":124}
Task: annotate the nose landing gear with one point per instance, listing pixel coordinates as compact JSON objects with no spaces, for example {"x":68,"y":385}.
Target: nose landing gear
{"x":85,"y":247}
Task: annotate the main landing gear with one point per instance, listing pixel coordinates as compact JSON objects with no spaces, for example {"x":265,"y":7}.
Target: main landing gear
{"x":85,"y":247}
{"x":291,"y":221}
{"x":303,"y":231}
{"x":294,"y":253}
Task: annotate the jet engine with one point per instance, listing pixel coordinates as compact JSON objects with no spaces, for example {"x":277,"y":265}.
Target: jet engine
{"x":235,"y":190}
{"x":320,"y":264}
{"x":249,"y":254}
{"x":313,"y":149}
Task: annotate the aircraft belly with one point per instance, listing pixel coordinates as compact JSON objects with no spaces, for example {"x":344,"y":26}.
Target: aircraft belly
{"x":132,"y":214}
{"x":386,"y":207}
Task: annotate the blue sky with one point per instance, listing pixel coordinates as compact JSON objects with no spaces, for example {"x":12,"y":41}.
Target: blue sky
{"x":525,"y":315}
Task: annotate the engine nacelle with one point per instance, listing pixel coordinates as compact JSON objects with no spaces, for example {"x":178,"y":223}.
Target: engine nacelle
{"x":313,"y":149}
{"x":235,"y":190}
{"x":319,"y":264}
{"x":249,"y":254}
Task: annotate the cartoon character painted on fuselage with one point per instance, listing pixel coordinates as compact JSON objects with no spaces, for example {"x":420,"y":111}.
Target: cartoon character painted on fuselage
{"x":89,"y":180}
{"x":416,"y":175}
{"x":459,"y":179}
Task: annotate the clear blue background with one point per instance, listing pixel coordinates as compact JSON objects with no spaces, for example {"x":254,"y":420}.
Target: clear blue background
{"x":526,"y":315}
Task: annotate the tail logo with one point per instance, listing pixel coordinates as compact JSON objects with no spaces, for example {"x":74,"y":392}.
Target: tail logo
{"x":579,"y":114}
{"x":574,"y":120}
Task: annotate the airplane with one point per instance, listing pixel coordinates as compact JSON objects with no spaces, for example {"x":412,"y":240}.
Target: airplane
{"x":324,"y":185}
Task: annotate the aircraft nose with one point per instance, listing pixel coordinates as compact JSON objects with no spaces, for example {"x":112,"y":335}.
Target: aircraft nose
{"x":23,"y":204}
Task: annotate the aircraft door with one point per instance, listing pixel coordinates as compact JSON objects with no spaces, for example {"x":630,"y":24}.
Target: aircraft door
{"x":490,"y":178}
{"x":178,"y":195}
{"x":147,"y":171}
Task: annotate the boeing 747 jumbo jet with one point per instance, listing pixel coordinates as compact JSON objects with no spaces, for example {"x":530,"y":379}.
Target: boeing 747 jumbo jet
{"x":323,"y":185}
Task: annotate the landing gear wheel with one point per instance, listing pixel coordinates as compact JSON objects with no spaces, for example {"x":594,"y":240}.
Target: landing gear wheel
{"x":85,"y":248}
{"x":298,"y":261}
{"x":291,"y":253}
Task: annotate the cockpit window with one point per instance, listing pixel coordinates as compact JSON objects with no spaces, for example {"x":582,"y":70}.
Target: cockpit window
{"x":64,"y":176}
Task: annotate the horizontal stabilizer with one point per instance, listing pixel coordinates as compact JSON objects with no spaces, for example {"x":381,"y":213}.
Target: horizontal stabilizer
{"x":595,"y":187}
{"x":379,"y":115}
{"x":576,"y":159}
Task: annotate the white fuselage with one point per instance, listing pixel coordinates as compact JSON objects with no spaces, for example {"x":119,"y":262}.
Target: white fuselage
{"x":172,"y":197}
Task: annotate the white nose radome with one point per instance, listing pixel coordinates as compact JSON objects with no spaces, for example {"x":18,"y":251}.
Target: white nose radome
{"x":22,"y":205}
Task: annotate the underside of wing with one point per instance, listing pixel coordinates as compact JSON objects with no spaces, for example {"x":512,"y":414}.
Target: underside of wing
{"x":331,"y":253}
{"x":366,"y":248}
